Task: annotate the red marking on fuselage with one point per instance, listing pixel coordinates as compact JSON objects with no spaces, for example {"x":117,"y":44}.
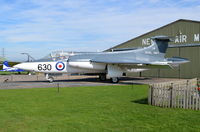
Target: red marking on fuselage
{"x":60,"y":66}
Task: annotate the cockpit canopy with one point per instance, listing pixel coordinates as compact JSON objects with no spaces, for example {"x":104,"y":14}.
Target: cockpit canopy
{"x":60,"y":55}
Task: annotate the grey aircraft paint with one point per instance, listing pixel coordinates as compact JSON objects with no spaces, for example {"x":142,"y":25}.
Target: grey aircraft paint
{"x":107,"y":64}
{"x":148,"y":55}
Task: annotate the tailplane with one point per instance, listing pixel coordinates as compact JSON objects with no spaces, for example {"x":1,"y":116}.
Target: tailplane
{"x":176,"y":61}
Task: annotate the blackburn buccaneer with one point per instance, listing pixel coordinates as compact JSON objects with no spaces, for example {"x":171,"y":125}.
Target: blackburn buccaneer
{"x":112,"y":65}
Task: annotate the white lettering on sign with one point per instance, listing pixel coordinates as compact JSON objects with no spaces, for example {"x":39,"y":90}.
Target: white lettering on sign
{"x":181,"y":39}
{"x":184,"y":38}
{"x":176,"y":39}
{"x":147,"y":41}
{"x":196,"y":37}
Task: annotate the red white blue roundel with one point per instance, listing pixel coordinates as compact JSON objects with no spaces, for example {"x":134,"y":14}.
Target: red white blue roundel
{"x":60,"y":66}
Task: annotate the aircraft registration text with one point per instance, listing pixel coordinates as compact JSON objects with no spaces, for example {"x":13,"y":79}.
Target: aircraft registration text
{"x":44,"y":67}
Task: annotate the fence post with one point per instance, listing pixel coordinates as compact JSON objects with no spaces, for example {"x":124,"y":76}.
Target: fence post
{"x":58,"y":86}
{"x":198,"y":100}
{"x":171,"y":95}
{"x":11,"y":77}
{"x":150,"y":95}
{"x":187,"y":96}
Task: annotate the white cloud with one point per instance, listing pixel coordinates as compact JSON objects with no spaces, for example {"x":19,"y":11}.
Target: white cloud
{"x":78,"y":25}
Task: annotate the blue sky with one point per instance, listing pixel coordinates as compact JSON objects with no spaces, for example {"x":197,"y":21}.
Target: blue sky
{"x":42,"y":26}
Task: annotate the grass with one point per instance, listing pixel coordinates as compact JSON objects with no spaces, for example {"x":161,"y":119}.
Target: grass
{"x":12,"y":73}
{"x":83,"y":109}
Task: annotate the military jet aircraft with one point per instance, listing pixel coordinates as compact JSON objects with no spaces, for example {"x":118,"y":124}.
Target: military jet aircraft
{"x":110,"y":65}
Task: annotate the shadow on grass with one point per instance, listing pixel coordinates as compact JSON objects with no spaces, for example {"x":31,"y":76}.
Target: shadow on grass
{"x":141,"y":101}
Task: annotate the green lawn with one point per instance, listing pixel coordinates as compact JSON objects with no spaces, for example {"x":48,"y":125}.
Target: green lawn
{"x":83,"y":109}
{"x":11,"y":73}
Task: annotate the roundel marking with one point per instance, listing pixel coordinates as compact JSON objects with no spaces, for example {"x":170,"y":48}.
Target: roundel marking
{"x":60,"y":66}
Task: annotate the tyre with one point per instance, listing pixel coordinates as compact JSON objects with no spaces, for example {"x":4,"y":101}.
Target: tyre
{"x":50,"y":79}
{"x":115,"y":80}
{"x":102,"y":77}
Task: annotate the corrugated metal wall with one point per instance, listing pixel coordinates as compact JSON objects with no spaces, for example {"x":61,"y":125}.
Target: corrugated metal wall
{"x":191,"y":69}
{"x":175,"y":29}
{"x":171,"y":72}
{"x":188,"y":70}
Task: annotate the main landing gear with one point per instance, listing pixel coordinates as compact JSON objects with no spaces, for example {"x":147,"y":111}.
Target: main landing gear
{"x":102,"y":77}
{"x":115,"y":80}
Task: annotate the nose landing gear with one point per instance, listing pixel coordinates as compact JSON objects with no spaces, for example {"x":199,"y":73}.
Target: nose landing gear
{"x":49,"y":78}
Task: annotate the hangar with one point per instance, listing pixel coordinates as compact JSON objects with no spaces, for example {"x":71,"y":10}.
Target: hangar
{"x":186,"y":44}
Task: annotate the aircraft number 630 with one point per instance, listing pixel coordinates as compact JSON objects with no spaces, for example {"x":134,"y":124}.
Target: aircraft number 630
{"x":44,"y":67}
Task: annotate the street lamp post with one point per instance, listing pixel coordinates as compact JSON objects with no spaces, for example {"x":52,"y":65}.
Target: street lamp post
{"x":28,"y":56}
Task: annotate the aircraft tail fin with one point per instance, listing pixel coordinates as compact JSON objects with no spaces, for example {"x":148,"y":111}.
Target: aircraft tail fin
{"x":159,"y":45}
{"x":5,"y":65}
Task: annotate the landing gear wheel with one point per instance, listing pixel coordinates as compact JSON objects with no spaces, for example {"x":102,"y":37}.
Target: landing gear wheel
{"x":115,"y":80}
{"x":102,"y":77}
{"x":50,"y":79}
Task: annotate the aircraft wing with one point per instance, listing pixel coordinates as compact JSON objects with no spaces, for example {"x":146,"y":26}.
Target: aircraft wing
{"x":134,"y":63}
{"x":107,"y":61}
{"x":169,"y":63}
